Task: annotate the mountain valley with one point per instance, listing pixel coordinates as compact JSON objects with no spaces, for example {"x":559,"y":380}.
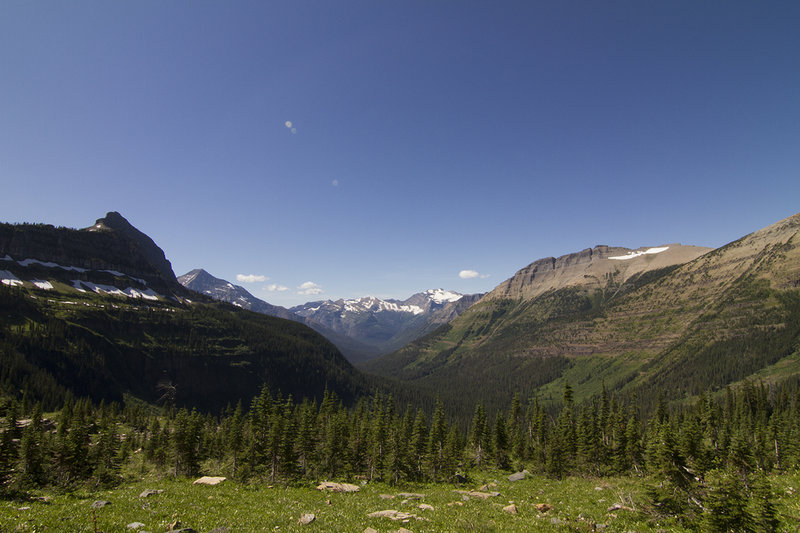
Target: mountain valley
{"x":99,"y":312}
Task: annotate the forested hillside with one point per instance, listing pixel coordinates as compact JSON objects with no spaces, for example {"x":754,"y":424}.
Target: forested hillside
{"x":727,"y":315}
{"x":202,"y":355}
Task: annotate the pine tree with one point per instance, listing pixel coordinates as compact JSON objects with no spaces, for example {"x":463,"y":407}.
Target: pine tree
{"x":516,"y":431}
{"x":436,"y":441}
{"x":306,"y":441}
{"x":500,"y":442}
{"x":477,"y":438}
{"x":32,"y":450}
{"x":377,"y":439}
{"x":287,"y":458}
{"x":235,"y":436}
{"x":8,"y":448}
{"x":106,"y":468}
{"x":726,"y":504}
{"x":417,"y":444}
{"x":762,"y":505}
{"x":185,"y":443}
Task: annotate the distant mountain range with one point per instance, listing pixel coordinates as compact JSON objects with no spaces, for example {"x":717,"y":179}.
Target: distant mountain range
{"x":98,"y":312}
{"x":361,"y":328}
{"x":387,"y":325}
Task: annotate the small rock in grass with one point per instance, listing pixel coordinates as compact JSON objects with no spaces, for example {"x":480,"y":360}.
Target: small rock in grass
{"x":150,"y":492}
{"x":411,"y":496}
{"x":392,"y":514}
{"x":425,"y":507}
{"x":209,"y":480}
{"x":619,"y":507}
{"x":386,"y":496}
{"x":23,"y":508}
{"x":338,"y":487}
{"x":483,"y":495}
{"x":511,"y":509}
{"x":398,"y":516}
{"x":135,"y":525}
{"x":556,"y":521}
{"x":518,"y":476}
{"x":543,"y":507}
{"x":100,"y":503}
{"x":306,"y":518}
{"x":370,"y":530}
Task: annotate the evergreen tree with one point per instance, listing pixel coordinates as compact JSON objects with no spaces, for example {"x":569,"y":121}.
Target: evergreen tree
{"x":762,"y":505}
{"x":377,"y":438}
{"x":185,"y":443}
{"x":477,"y":438}
{"x":32,"y":450}
{"x":8,"y":448}
{"x":234,"y":437}
{"x":417,"y":444}
{"x":106,"y":468}
{"x":306,"y":438}
{"x":726,"y":504}
{"x":500,"y":441}
{"x":436,"y":442}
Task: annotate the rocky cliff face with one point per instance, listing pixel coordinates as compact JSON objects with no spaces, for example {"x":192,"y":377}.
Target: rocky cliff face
{"x":96,"y":254}
{"x":592,"y":268}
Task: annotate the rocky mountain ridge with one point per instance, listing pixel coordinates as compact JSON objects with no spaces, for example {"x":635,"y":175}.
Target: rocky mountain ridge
{"x":625,"y":319}
{"x":592,"y":268}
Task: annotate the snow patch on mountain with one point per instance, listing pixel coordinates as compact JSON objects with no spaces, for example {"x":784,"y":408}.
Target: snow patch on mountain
{"x":7,"y":278}
{"x":441,"y":296}
{"x":632,"y":254}
{"x":49,"y":264}
{"x":370,"y":303}
{"x":129,"y":292}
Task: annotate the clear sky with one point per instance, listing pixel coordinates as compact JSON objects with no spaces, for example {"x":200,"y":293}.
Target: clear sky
{"x":338,"y":149}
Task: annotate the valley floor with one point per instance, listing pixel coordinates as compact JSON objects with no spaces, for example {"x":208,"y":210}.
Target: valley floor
{"x":540,"y":504}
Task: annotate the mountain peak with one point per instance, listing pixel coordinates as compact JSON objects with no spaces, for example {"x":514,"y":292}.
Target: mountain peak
{"x":113,"y":221}
{"x":442,"y":296}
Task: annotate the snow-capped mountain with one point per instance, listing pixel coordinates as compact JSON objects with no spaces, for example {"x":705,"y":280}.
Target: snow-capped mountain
{"x":201,"y":281}
{"x":387,"y":325}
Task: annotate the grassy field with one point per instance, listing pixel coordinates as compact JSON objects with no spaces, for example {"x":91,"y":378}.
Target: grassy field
{"x":577,"y":504}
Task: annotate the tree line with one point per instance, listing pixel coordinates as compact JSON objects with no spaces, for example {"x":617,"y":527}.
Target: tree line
{"x":731,"y":440}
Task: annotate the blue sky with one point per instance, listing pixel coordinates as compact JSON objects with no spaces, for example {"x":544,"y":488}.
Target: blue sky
{"x":338,"y":149}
